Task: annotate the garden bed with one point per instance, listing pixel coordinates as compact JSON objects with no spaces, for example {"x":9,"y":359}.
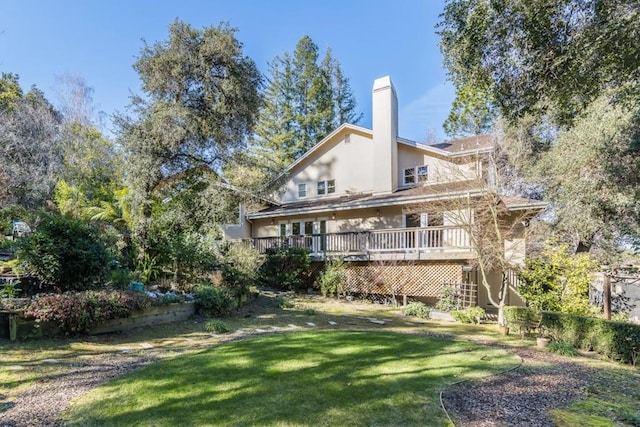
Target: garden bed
{"x":154,"y":315}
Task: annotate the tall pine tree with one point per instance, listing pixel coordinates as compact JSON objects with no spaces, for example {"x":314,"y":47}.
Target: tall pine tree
{"x":304,"y":101}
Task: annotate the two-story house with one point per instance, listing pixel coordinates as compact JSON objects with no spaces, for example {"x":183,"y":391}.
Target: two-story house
{"x":358,"y":194}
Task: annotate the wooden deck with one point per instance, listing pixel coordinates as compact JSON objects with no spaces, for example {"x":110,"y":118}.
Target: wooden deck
{"x":429,"y":243}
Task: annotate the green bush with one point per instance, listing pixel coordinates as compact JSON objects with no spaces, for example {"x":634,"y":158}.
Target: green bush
{"x":10,"y":213}
{"x":615,"y":340}
{"x":285,"y":268}
{"x":332,"y":278}
{"x":217,"y":326}
{"x":522,"y":320}
{"x":285,"y":302}
{"x":81,"y":311}
{"x":240,"y":265}
{"x":562,"y":348}
{"x":417,"y":309}
{"x":62,"y":254}
{"x":469,"y":315}
{"x":120,"y":278}
{"x":214,"y":301}
{"x":449,"y":298}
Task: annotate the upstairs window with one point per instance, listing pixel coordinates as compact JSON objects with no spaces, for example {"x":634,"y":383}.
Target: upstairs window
{"x":302,"y":191}
{"x":415,"y":175}
{"x":326,"y":187}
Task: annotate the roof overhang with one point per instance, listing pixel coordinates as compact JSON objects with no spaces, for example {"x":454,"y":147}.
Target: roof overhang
{"x":377,"y":202}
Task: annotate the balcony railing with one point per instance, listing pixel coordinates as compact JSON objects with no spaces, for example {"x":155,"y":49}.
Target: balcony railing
{"x":376,"y":243}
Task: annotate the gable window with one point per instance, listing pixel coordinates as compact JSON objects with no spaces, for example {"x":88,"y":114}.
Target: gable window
{"x":326,"y":187}
{"x":416,"y":174}
{"x":302,"y":190}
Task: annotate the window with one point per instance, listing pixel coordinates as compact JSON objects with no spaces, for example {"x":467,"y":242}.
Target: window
{"x":326,"y":187}
{"x":409,"y":176}
{"x":302,"y":190}
{"x":423,"y":173}
{"x":283,"y":229}
{"x":331,"y":186}
{"x":417,"y":174}
{"x":295,"y":228}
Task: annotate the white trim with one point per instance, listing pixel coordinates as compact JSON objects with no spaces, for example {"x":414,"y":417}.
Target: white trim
{"x":365,"y":204}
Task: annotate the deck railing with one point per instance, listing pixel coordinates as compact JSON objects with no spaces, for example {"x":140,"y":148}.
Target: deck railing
{"x":401,"y":240}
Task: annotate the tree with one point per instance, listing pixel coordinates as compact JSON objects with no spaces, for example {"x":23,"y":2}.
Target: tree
{"x":543,"y":56}
{"x":472,"y":113}
{"x":565,"y":77}
{"x":30,"y":155}
{"x":10,"y":91}
{"x":492,"y":231}
{"x":592,"y":176}
{"x":200,"y":103}
{"x":305,"y":100}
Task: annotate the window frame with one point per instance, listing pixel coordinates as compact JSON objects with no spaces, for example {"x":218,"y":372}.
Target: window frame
{"x":415,"y":175}
{"x":302,"y":191}
{"x":326,"y":187}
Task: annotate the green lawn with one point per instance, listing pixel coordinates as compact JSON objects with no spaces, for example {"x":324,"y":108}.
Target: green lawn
{"x":310,"y":378}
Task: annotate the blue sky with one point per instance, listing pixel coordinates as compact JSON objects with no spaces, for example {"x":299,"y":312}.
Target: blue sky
{"x":99,"y":40}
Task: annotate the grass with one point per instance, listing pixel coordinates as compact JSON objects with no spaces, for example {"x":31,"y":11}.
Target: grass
{"x":612,"y":397}
{"x":308,"y":378}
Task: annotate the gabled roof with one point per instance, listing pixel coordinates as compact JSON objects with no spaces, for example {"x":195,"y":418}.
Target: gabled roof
{"x":321,"y":143}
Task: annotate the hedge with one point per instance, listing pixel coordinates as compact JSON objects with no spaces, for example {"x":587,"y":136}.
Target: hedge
{"x":615,"y":340}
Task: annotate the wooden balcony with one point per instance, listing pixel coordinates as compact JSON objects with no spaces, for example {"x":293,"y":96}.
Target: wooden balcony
{"x":429,"y":243}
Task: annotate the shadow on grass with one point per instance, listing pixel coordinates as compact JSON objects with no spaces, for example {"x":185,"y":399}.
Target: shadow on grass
{"x":330,"y":378}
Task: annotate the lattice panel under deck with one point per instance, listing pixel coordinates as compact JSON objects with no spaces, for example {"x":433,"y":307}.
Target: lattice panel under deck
{"x":418,"y":279}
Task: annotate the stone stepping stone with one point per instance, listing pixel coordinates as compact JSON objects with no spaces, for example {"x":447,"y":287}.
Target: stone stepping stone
{"x":146,"y":345}
{"x":124,"y":350}
{"x":168,"y":342}
{"x":50,"y":361}
{"x":16,"y":368}
{"x":332,"y":323}
{"x":215,"y":336}
{"x":377,"y":322}
{"x":291,"y":325}
{"x":409,"y":323}
{"x":311,"y":324}
{"x":275,"y":328}
{"x":260,"y":331}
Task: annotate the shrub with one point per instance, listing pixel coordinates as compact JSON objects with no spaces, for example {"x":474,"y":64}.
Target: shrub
{"x":449,"y":299}
{"x":285,"y":302}
{"x":310,"y":312}
{"x":332,"y":278}
{"x":559,"y":281}
{"x":217,"y":326}
{"x":285,"y":268}
{"x":469,"y":315}
{"x":214,"y":301}
{"x":417,"y":309}
{"x":120,"y":279}
{"x":616,"y":340}
{"x":8,"y":214}
{"x":521,"y":320}
{"x":62,"y":254}
{"x":562,"y":348}
{"x":240,"y":265}
{"x":82,"y":311}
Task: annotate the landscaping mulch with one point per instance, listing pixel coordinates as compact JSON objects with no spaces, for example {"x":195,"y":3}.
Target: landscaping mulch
{"x":521,"y":397}
{"x":43,"y":404}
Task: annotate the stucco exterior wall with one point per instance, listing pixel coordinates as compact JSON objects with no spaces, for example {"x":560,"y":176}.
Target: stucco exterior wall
{"x":440,"y":169}
{"x":345,"y":159}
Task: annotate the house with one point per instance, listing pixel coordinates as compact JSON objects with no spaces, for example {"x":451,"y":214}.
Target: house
{"x":363,"y":195}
